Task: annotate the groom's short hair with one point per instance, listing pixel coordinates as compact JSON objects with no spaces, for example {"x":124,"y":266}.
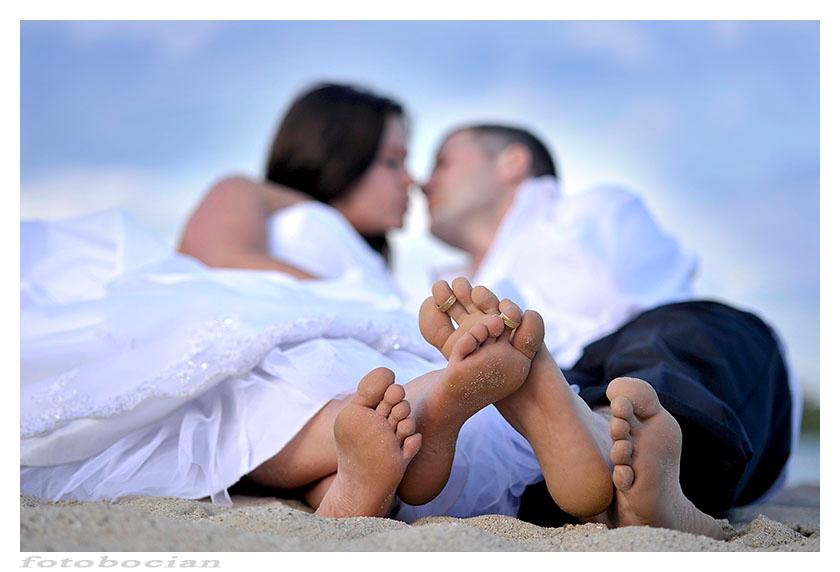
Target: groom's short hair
{"x":495,"y":138}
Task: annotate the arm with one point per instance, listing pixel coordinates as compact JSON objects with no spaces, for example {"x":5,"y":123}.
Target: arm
{"x":228,"y":229}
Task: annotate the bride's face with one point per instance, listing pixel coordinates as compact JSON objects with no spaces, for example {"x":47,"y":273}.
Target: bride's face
{"x":378,"y":201}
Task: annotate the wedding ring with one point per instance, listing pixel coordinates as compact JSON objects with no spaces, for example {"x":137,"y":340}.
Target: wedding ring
{"x":448,"y":304}
{"x":508,"y":322}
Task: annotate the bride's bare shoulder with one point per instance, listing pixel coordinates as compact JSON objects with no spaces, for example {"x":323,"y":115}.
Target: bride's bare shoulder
{"x":231,"y":212}
{"x":234,"y":191}
{"x":239,"y":192}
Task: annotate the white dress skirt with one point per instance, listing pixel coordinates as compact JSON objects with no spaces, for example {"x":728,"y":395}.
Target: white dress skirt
{"x":145,"y":373}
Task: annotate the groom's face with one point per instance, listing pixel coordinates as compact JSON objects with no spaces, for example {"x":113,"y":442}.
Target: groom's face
{"x":463,"y":184}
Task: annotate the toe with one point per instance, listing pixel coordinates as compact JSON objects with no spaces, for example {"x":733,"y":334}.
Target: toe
{"x":463,"y":291}
{"x":619,"y":428}
{"x":384,"y":408}
{"x":394,"y":394}
{"x":465,"y":345}
{"x":372,"y":387}
{"x":623,"y":477}
{"x":495,"y":325}
{"x":399,"y":412}
{"x":485,"y":300}
{"x":622,"y":408}
{"x":621,"y":452}
{"x":441,"y":292}
{"x":436,"y":326}
{"x":528,"y":337}
{"x":510,"y":310}
{"x":406,"y":427}
{"x":480,"y":332}
{"x":411,"y":446}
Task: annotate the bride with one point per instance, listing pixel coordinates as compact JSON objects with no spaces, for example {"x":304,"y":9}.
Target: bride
{"x":145,"y":372}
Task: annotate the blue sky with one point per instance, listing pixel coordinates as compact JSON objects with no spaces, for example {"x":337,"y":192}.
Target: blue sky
{"x":714,"y":124}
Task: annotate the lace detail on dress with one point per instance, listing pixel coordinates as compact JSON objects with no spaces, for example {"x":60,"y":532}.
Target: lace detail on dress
{"x":218,"y":349}
{"x":64,"y":399}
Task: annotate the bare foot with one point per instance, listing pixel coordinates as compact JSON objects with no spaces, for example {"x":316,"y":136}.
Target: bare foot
{"x":484,"y":367}
{"x":647,"y":441}
{"x":571,"y":442}
{"x":375,"y":441}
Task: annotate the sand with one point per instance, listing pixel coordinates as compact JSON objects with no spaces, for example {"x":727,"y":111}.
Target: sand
{"x":790,"y":522}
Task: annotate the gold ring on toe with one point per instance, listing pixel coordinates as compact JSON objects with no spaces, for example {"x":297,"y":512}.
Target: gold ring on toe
{"x":508,"y":322}
{"x":448,"y":304}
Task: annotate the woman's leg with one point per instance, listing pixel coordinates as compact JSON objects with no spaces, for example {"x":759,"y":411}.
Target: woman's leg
{"x":314,"y":494}
{"x":352,"y":453}
{"x":308,"y":457}
{"x":375,"y":440}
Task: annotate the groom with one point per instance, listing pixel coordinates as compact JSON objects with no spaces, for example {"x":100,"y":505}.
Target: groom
{"x":615,"y":292}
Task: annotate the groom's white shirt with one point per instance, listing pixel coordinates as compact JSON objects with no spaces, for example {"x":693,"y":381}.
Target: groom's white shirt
{"x":588,"y":262}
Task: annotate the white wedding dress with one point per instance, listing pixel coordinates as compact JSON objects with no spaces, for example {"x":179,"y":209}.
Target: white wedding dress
{"x":145,"y":373}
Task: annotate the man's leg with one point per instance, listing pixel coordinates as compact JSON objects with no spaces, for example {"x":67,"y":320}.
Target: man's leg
{"x":647,"y":443}
{"x":719,"y":372}
{"x":469,"y":383}
{"x":709,"y":427}
{"x":571,"y":442}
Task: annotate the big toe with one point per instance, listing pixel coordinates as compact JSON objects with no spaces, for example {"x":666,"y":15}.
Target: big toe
{"x":436,"y":326}
{"x":638,"y":392}
{"x":372,"y":387}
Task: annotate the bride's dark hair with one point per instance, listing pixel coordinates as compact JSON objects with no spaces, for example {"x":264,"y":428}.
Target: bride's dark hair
{"x":327,"y":140}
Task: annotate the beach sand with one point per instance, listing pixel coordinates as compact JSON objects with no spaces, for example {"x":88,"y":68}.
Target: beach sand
{"x":789,"y":522}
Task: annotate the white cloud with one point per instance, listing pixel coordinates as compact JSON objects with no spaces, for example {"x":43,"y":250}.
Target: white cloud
{"x":173,"y":40}
{"x":727,"y":34}
{"x":621,"y":41}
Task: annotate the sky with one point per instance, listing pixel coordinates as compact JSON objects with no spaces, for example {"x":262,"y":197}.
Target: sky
{"x":715,"y":125}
